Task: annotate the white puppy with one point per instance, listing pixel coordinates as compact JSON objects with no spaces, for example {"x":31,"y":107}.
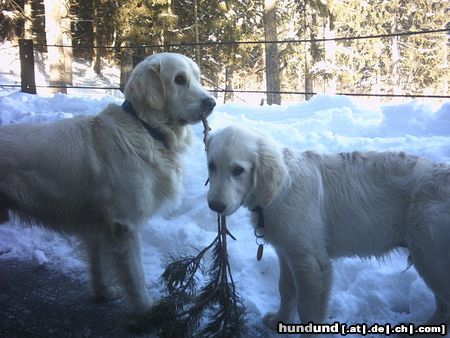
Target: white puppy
{"x":316,"y":207}
{"x":101,"y":177}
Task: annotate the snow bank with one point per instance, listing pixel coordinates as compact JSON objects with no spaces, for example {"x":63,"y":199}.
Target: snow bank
{"x":363,"y":291}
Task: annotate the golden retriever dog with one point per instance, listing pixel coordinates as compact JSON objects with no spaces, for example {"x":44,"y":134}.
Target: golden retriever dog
{"x":316,"y":207}
{"x":101,"y":177}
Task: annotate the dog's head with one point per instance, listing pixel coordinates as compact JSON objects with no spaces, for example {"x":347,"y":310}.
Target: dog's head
{"x":165,"y":89}
{"x":245,"y":168}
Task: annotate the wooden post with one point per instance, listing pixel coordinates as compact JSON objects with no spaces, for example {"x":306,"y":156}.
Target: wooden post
{"x":126,"y":67}
{"x":28,"y":83}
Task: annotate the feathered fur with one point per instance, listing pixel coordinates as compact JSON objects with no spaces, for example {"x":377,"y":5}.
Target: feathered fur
{"x":317,"y":207}
{"x":101,"y":177}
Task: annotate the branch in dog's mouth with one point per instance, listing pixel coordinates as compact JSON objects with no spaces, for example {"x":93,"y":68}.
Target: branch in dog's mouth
{"x":206,"y":128}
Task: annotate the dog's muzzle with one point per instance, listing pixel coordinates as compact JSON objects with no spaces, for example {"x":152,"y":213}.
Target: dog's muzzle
{"x":217,"y":206}
{"x":208,"y":105}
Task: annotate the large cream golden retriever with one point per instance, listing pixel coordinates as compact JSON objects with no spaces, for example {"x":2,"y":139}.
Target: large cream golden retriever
{"x":101,"y":177}
{"x":316,"y":207}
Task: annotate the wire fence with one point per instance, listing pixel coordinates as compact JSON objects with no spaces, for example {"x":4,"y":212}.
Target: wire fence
{"x":263,"y":92}
{"x":219,"y":43}
{"x":247,"y":42}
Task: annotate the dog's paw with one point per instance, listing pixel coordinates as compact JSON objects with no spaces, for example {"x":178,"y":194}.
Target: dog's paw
{"x":135,"y":324}
{"x":107,"y":294}
{"x":4,"y":216}
{"x":271,"y":320}
{"x":139,"y":322}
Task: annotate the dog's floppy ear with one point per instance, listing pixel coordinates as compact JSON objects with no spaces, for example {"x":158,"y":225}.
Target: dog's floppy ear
{"x":146,"y":85}
{"x":270,"y":173}
{"x":155,"y":95}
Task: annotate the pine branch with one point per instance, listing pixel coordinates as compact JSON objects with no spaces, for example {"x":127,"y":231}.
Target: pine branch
{"x":213,"y":310}
{"x":179,"y":273}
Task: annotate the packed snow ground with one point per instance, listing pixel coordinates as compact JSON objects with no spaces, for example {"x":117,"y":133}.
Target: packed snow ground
{"x":364,"y":291}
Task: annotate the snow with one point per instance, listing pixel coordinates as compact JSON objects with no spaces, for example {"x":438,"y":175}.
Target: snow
{"x":364,"y":291}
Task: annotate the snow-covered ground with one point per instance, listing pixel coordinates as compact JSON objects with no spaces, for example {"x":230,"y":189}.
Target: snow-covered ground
{"x":364,"y":291}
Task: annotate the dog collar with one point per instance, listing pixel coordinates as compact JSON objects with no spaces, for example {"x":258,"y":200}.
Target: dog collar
{"x":155,"y":133}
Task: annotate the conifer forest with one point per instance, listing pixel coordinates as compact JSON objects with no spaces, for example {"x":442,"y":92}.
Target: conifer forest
{"x":311,"y":46}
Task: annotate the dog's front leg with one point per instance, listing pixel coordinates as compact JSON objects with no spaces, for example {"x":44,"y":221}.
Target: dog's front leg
{"x":127,"y":260}
{"x":312,"y":278}
{"x":100,"y":262}
{"x":288,"y":296}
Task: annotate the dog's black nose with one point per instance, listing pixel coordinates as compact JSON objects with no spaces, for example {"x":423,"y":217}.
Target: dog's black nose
{"x":209,"y":103}
{"x":216,"y":206}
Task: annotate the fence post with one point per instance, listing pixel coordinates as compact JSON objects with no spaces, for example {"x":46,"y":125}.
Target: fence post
{"x":28,"y":84}
{"x":126,"y":67}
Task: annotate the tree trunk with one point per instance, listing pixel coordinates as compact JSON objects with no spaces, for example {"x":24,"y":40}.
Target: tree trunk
{"x":377,"y":87}
{"x":84,"y":28}
{"x":67,"y":41}
{"x":196,"y":35}
{"x":309,"y":84}
{"x":396,"y":60}
{"x":55,"y":11}
{"x":229,"y":73}
{"x":330,"y":56}
{"x":271,"y":52}
{"x":39,"y":30}
{"x":97,"y":31}
{"x":215,"y":82}
{"x":445,"y":76}
{"x":28,"y":25}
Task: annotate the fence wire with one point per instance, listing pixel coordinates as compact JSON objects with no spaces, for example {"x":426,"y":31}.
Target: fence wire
{"x":251,"y":91}
{"x":248,"y":42}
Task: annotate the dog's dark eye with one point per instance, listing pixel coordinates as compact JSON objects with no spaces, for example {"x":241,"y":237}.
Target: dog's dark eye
{"x":180,"y":80}
{"x":237,"y":170}
{"x":211,"y":166}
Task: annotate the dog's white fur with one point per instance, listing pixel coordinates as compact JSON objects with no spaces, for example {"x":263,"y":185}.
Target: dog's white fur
{"x":317,"y":207}
{"x":101,"y":177}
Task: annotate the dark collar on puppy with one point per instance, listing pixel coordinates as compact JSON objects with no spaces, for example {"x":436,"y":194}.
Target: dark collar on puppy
{"x":155,"y":133}
{"x":259,"y":211}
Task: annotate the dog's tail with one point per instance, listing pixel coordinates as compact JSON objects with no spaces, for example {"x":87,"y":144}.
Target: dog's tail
{"x":430,"y":180}
{"x":419,"y":180}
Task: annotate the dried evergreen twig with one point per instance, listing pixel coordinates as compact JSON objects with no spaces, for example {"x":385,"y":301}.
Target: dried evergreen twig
{"x":180,"y":312}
